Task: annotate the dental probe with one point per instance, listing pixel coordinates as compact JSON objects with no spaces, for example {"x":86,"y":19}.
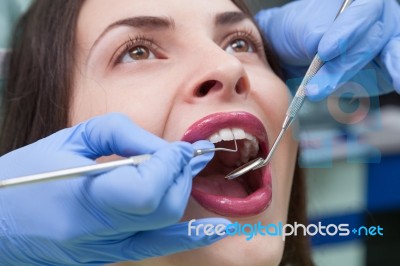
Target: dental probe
{"x":291,"y":112}
{"x":95,"y":168}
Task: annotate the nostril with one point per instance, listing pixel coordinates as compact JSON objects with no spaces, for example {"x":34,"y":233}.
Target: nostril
{"x":238,"y":90}
{"x":205,"y":87}
{"x":241,"y":86}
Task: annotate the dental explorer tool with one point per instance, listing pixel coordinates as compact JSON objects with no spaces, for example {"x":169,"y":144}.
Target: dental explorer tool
{"x":95,"y":168}
{"x":291,"y":112}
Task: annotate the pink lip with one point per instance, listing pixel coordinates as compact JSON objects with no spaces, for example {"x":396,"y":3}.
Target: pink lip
{"x":259,"y":200}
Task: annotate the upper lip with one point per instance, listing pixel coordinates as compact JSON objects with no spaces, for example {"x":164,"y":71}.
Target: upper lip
{"x":205,"y":127}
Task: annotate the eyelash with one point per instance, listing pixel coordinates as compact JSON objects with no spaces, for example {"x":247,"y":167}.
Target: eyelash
{"x":247,"y":34}
{"x":133,"y":42}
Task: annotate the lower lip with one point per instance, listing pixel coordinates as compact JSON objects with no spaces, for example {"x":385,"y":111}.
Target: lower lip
{"x":253,"y":204}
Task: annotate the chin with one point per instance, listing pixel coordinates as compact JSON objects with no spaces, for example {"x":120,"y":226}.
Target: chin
{"x":232,"y":251}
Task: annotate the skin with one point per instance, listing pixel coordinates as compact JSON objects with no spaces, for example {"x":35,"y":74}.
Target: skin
{"x":159,"y":93}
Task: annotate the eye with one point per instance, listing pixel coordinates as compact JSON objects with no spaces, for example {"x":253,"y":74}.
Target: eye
{"x":136,"y":49}
{"x":136,"y":53}
{"x":240,"y":45}
{"x":247,"y":40}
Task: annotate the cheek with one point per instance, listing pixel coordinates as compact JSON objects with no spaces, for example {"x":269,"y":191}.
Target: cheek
{"x":271,"y":96}
{"x":283,"y":164}
{"x":146,"y":104}
{"x":88,"y":100}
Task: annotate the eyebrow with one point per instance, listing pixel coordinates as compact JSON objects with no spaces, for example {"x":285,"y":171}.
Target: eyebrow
{"x":159,"y":23}
{"x":143,"y":22}
{"x":229,"y":18}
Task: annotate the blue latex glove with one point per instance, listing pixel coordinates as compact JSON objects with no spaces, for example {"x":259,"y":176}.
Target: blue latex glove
{"x":366,"y":30}
{"x":129,"y":213}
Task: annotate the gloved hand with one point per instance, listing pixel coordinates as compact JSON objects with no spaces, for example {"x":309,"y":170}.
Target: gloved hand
{"x":366,"y":30}
{"x":129,"y":213}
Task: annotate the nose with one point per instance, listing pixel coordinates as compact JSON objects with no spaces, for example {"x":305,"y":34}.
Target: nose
{"x":220,"y":76}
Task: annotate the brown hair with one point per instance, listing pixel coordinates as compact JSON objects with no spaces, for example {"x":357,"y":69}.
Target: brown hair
{"x":39,"y":87}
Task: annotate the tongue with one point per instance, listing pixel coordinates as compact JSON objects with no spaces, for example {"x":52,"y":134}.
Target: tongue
{"x":218,"y":185}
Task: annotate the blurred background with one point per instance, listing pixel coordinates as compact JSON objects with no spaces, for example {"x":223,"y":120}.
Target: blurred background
{"x":350,"y":152}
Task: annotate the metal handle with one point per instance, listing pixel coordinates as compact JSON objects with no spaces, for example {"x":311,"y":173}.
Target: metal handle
{"x":315,"y":66}
{"x":74,"y":172}
{"x":300,"y":95}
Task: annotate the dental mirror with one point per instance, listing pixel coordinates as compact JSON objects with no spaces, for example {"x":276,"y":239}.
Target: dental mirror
{"x":249,"y":166}
{"x":257,"y":162}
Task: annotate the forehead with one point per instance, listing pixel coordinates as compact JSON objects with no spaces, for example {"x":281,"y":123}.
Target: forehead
{"x":96,"y":15}
{"x":108,"y":9}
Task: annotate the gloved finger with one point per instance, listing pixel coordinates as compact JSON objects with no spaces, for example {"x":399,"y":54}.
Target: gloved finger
{"x":174,"y":202}
{"x":113,"y":134}
{"x":344,"y":67}
{"x":173,"y":239}
{"x":390,"y":56}
{"x":172,"y":205}
{"x":199,"y":162}
{"x":139,"y":190}
{"x":350,"y":27}
{"x":272,"y":21}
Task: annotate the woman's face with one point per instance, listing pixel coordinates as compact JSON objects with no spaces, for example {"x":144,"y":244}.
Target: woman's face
{"x":189,"y":70}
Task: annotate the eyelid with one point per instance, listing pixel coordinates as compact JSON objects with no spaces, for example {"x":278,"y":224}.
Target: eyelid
{"x":133,"y":42}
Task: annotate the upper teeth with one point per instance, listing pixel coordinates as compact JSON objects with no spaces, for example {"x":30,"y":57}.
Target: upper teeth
{"x":228,"y":134}
{"x":250,"y":143}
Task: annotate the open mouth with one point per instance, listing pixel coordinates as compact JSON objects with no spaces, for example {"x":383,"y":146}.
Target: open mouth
{"x":246,"y":195}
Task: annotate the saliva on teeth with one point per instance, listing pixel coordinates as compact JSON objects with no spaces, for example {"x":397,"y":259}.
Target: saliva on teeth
{"x":248,"y":150}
